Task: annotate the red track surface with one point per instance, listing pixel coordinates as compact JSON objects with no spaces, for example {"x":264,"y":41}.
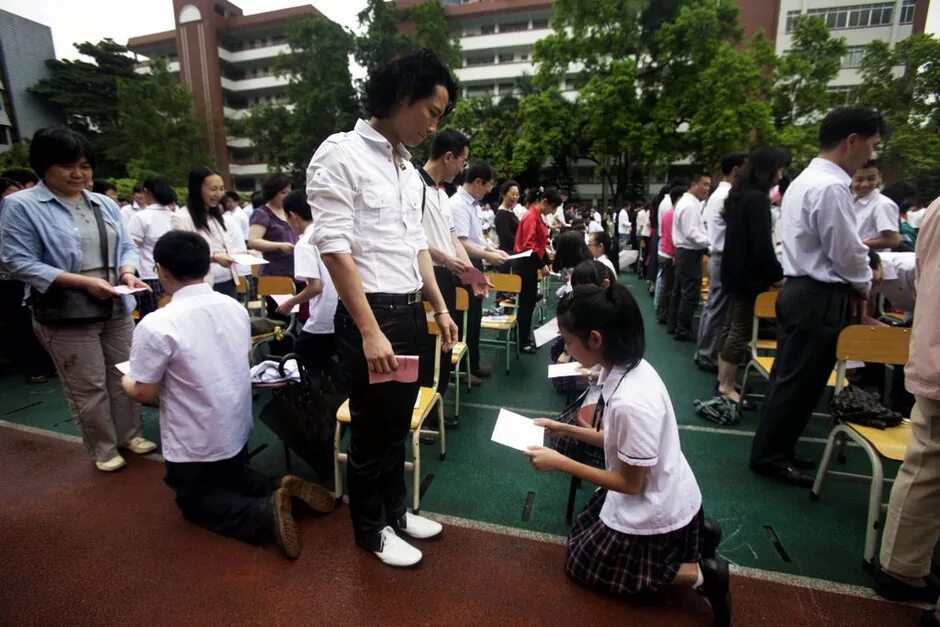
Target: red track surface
{"x":80,"y":546}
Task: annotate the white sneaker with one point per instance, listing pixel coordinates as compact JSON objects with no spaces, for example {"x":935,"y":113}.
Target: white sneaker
{"x":141,"y":446}
{"x":420,"y":527}
{"x":395,"y":551}
{"x":111,"y":465}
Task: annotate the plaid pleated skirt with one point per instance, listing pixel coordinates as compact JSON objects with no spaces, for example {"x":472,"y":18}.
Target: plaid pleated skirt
{"x":147,"y":301}
{"x":622,"y":564}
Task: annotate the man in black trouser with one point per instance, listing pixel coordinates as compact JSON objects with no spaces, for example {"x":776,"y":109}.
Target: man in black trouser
{"x":691,"y":241}
{"x":828,"y":279}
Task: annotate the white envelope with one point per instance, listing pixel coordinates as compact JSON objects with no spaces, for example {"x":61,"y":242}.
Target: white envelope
{"x":517,"y":431}
{"x":546,"y":333}
{"x":571,"y":369}
{"x":245,"y":259}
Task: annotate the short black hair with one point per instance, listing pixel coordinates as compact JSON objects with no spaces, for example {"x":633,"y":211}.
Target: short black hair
{"x":101,"y":186}
{"x":903,"y":193}
{"x":480,"y":170}
{"x":22,"y":176}
{"x":570,"y":250}
{"x":613,"y":313}
{"x":257,"y":200}
{"x":507,"y":185}
{"x":408,"y":78}
{"x":273,"y":184}
{"x":675,"y":193}
{"x":184,"y":254}
{"x":161,"y":190}
{"x":57,"y":145}
{"x":448,"y":140}
{"x":844,"y":121}
{"x":698,"y":176}
{"x":138,"y":188}
{"x":5,"y":183}
{"x":296,"y":202}
{"x":731,"y":161}
{"x":591,"y":272}
{"x":551,"y":195}
{"x":232,"y":195}
{"x":871,"y":163}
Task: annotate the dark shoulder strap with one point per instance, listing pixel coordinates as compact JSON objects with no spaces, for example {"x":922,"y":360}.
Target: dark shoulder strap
{"x":102,"y":238}
{"x":424,"y":196}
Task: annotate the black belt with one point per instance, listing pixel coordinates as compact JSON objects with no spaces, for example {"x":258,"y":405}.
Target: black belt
{"x":383,"y":298}
{"x":820,"y":284}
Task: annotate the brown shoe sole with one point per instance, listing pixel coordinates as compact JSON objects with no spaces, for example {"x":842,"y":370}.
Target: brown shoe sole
{"x":288,"y":539}
{"x":316,"y":497}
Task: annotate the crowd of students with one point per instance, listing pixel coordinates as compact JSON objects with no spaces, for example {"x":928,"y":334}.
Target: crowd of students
{"x":373,"y":237}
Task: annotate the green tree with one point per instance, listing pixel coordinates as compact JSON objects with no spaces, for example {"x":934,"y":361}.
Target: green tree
{"x":321,"y":98}
{"x":800,"y":94}
{"x":389,"y":32}
{"x":16,"y":157}
{"x":911,"y":104}
{"x":158,"y":132}
{"x":492,"y":127}
{"x":87,"y":95}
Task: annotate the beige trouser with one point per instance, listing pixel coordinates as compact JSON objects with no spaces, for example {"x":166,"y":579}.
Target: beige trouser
{"x":84,"y":356}
{"x":913,"y":522}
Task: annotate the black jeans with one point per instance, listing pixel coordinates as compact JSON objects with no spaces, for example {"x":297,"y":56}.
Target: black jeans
{"x":316,"y":352}
{"x":381,"y":419}
{"x":528,"y":270}
{"x":810,"y":316}
{"x":446,"y":283}
{"x":225,"y":496}
{"x":474,"y":320}
{"x":686,"y":293}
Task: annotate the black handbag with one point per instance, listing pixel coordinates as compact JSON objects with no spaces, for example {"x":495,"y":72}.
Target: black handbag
{"x":67,"y":306}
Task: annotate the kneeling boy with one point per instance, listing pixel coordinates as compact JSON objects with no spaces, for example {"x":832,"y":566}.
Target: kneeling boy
{"x":193,"y":356}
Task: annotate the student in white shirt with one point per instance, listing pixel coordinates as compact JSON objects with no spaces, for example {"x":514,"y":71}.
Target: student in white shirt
{"x":230,"y":202}
{"x":645,"y":528}
{"x":367,"y":226}
{"x":715,"y":311}
{"x":145,"y":228}
{"x":192,"y":355}
{"x":879,"y":220}
{"x":558,"y":220}
{"x":624,"y":226}
{"x":316,"y":344}
{"x":828,"y":282}
{"x":601,"y":247}
{"x":136,"y":204}
{"x":691,"y":242}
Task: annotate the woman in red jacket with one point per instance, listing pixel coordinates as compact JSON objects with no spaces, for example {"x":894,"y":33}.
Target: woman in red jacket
{"x":532,"y":235}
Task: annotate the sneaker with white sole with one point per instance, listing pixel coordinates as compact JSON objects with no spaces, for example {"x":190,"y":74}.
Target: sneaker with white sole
{"x":419,"y":527}
{"x":395,"y":551}
{"x":141,"y":446}
{"x":115,"y":463}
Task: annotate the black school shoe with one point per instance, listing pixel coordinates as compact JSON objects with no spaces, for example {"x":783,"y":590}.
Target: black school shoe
{"x":716,"y":588}
{"x":896,"y":590}
{"x":711,"y":532}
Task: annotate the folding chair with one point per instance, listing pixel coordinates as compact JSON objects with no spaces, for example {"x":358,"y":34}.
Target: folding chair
{"x":512,"y":284}
{"x":428,"y":398}
{"x":871,"y":344}
{"x":765,"y":308}
{"x":459,"y":353}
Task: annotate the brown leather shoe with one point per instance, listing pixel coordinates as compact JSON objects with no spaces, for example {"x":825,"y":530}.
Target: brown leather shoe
{"x":316,"y":497}
{"x":277,"y":516}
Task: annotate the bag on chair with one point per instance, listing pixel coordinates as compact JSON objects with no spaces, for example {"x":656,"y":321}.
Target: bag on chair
{"x":853,"y":404}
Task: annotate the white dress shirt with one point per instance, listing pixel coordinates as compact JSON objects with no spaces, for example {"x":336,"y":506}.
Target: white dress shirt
{"x":243,"y":219}
{"x":876,"y":213}
{"x":623,"y":222}
{"x":640,"y":429}
{"x":437,"y":221}
{"x":465,"y":211}
{"x":309,"y":267}
{"x":688,"y":227}
{"x":519,"y":210}
{"x":643,"y":223}
{"x":238,"y":238}
{"x":220,"y":240}
{"x":898,"y":281}
{"x":362,"y":206}
{"x":197,"y":346}
{"x":818,"y":229}
{"x":559,"y":216}
{"x":146,"y":226}
{"x":715,"y":219}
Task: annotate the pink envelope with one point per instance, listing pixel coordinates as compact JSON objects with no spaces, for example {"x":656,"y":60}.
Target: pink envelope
{"x":407,"y":371}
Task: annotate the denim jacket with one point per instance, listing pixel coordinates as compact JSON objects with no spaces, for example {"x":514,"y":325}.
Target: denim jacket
{"x":39,"y":239}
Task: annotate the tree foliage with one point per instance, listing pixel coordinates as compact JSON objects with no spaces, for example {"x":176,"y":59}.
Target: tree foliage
{"x":321,"y":97}
{"x":158,"y":131}
{"x":87,"y":95}
{"x":389,"y":32}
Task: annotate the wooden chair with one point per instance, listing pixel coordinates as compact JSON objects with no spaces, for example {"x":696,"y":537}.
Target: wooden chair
{"x":460,"y":352}
{"x":765,"y":308}
{"x":164,"y":300}
{"x":510,"y":284}
{"x":428,"y":398}
{"x":871,"y":344}
{"x":279,"y":286}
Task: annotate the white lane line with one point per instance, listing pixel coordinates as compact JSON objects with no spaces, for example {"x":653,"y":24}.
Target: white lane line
{"x":65,"y":437}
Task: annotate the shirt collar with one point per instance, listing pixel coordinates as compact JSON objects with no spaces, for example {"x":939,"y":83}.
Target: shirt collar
{"x":867,"y":200}
{"x":157,"y":206}
{"x":368,"y":133}
{"x":467,"y":198}
{"x":190,"y":291}
{"x":830,"y":167}
{"x":608,"y":380}
{"x":44,"y":194}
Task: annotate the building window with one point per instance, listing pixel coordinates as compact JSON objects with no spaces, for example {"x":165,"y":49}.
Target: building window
{"x":480,"y":90}
{"x":523,"y":57}
{"x":488,"y":29}
{"x":505,"y":89}
{"x":539,"y":24}
{"x":513,"y":27}
{"x":843,"y":94}
{"x":907,"y":12}
{"x":853,"y":56}
{"x":856,"y":16}
{"x":506,"y":58}
{"x":471,"y":61}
